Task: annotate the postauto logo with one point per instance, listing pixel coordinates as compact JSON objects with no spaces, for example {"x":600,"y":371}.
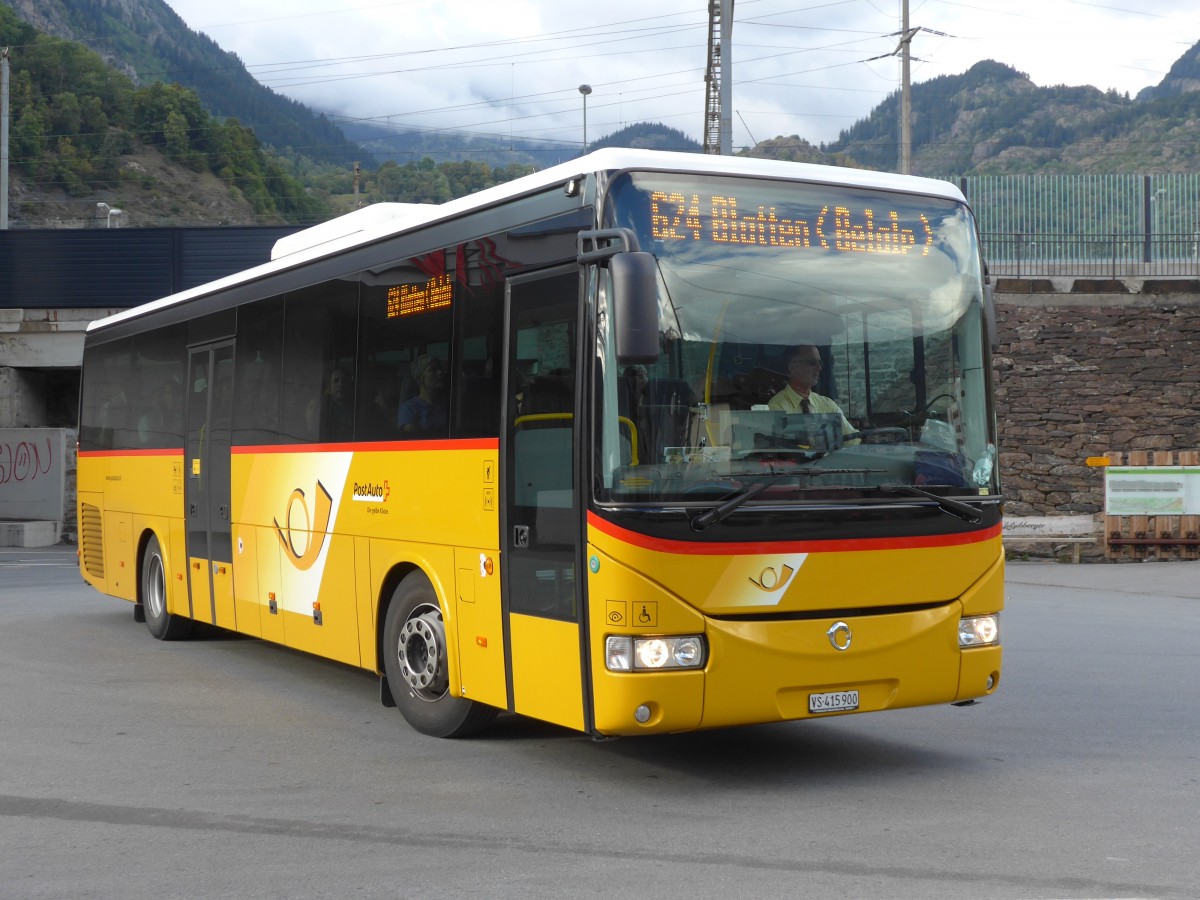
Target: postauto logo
{"x":371,"y":492}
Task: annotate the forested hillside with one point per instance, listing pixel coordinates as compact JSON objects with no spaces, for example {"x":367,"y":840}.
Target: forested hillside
{"x":78,"y":128}
{"x":648,"y":136}
{"x":412,"y":146}
{"x":147,"y":41}
{"x":993,"y":120}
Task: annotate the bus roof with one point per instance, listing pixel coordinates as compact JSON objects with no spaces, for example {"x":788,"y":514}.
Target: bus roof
{"x":383,"y":220}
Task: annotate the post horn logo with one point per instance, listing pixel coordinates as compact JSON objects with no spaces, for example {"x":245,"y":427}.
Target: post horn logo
{"x":299,"y":523}
{"x":772,"y":581}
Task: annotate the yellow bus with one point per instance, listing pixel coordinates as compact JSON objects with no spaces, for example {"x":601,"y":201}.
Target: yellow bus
{"x":641,"y":443}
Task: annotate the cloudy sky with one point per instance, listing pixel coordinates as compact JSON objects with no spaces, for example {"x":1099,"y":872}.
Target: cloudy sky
{"x":805,"y":67}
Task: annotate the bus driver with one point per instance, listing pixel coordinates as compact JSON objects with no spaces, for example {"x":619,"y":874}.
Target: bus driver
{"x":803,"y":370}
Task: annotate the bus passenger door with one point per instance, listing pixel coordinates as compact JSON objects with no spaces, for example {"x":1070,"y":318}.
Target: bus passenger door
{"x":207,"y":483}
{"x":540,"y":517}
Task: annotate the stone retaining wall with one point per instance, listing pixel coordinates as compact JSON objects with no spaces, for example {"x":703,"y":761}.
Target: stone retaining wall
{"x":1085,"y":374}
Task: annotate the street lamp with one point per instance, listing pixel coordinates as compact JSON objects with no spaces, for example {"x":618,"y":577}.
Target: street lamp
{"x":1156,"y":225}
{"x":585,"y":89}
{"x":109,"y":211}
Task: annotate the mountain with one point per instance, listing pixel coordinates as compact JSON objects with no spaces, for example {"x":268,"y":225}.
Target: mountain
{"x":413,"y":145}
{"x":180,"y":155}
{"x":452,"y":146}
{"x":992,"y":120}
{"x":1183,"y":78}
{"x":649,"y":136}
{"x":148,"y":41}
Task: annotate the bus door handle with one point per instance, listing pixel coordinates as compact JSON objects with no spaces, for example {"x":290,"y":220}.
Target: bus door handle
{"x":521,"y":536}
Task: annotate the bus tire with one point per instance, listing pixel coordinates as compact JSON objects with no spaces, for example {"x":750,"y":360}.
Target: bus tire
{"x":416,"y":662}
{"x":152,"y":594}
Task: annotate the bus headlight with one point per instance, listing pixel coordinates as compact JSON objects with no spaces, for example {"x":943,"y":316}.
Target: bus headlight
{"x":625,"y":653}
{"x":978,"y":631}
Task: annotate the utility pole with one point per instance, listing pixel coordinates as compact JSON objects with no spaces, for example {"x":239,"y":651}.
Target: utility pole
{"x":718,"y":78}
{"x":4,"y":139}
{"x":906,"y":36}
{"x":903,"y":50}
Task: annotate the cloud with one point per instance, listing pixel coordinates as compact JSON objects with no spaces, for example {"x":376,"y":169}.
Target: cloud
{"x":514,"y":68}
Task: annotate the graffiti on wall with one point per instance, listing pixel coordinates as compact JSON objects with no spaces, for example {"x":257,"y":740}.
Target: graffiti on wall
{"x":32,"y":467}
{"x":25,"y":460}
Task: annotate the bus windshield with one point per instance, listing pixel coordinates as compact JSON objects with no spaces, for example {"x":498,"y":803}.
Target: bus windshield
{"x":817,"y":342}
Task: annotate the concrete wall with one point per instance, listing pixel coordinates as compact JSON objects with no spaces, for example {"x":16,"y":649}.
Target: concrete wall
{"x":33,"y":475}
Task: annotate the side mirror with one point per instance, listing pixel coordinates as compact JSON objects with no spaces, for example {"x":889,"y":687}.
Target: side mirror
{"x":635,"y":307}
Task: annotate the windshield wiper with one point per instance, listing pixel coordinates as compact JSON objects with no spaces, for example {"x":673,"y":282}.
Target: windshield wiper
{"x":955,"y":508}
{"x":700,"y":521}
{"x":703,"y":520}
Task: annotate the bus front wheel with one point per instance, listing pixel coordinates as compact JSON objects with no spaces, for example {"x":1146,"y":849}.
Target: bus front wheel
{"x":416,"y":663}
{"x":152,"y":594}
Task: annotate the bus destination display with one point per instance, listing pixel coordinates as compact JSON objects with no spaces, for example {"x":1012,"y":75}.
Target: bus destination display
{"x":719,"y":219}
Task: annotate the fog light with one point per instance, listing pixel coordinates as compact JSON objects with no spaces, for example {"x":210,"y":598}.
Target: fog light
{"x":978,"y":631}
{"x":687,"y":652}
{"x":642,"y":714}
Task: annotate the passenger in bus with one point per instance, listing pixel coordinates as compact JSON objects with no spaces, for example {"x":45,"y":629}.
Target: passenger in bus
{"x":803,"y":371}
{"x":427,"y":410}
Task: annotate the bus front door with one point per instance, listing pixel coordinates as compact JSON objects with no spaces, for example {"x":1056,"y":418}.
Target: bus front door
{"x":540,"y":519}
{"x":207,"y":491}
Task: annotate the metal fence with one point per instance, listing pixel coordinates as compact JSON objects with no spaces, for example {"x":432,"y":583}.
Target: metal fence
{"x":1104,"y":226}
{"x":1092,"y":256}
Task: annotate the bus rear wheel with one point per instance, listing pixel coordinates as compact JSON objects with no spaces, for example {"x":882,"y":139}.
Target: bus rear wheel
{"x":152,"y":594}
{"x":417,"y":665}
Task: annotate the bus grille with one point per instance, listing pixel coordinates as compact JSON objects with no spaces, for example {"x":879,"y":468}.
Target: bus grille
{"x":91,"y":540}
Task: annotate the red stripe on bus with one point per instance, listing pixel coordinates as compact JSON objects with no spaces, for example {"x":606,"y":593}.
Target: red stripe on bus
{"x":375,"y":446}
{"x":833,"y":545}
{"x":169,"y":451}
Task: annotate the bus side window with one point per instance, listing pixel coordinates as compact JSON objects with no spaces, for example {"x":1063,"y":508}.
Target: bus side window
{"x":104,"y":407}
{"x":320,"y":338}
{"x":404,"y":344}
{"x":476,"y":380}
{"x":258,"y":353}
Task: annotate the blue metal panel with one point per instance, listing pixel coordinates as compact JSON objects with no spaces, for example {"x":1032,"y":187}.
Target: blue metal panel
{"x":207,"y":254}
{"x":65,"y":268}
{"x":115,"y":268}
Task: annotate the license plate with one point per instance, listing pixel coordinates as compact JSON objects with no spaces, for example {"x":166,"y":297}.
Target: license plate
{"x":834,"y":701}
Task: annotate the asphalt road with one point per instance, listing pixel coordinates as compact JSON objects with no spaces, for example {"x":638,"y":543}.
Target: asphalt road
{"x":226,"y":767}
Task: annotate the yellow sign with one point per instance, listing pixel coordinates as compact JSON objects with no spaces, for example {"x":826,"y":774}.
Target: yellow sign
{"x":718,"y":219}
{"x":412,"y":299}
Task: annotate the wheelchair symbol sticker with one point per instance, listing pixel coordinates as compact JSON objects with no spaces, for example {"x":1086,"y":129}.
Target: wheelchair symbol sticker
{"x":645,"y":614}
